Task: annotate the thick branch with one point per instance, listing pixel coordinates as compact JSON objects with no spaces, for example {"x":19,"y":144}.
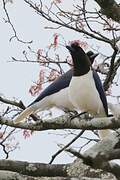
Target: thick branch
{"x":110,"y":8}
{"x":64,"y":122}
{"x":103,"y":151}
{"x":77,"y":170}
{"x":7,"y":175}
{"x":100,"y":154}
{"x":33,"y":169}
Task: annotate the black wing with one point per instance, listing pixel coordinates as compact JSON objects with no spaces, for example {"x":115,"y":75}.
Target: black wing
{"x":101,"y":91}
{"x":60,"y":83}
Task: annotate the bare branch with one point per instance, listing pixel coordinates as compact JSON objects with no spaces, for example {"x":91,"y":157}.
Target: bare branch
{"x":112,"y":72}
{"x":3,"y":145}
{"x":64,"y":24}
{"x":9,"y":21}
{"x":17,"y":104}
{"x":66,"y":146}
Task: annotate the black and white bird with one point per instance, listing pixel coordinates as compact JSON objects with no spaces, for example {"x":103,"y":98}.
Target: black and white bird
{"x":56,"y":94}
{"x":85,"y":91}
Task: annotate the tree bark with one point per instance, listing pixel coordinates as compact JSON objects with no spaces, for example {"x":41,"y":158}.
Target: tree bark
{"x":7,"y":175}
{"x":64,"y":122}
{"x":33,"y":169}
{"x":74,"y":171}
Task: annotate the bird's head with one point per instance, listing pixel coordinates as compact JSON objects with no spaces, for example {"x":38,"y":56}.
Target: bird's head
{"x":81,"y":62}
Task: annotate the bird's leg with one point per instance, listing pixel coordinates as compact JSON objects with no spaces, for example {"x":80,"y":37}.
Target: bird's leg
{"x":36,"y":119}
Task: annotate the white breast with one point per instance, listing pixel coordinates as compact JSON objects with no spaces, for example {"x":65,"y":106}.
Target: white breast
{"x":84,"y":95}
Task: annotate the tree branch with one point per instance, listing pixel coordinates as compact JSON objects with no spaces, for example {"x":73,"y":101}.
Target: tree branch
{"x":77,"y":170}
{"x":7,"y":175}
{"x":33,"y":169}
{"x":66,"y":146}
{"x":9,"y":21}
{"x":17,"y":104}
{"x":64,"y":122}
{"x":112,"y":72}
{"x":66,"y":25}
{"x":100,"y":154}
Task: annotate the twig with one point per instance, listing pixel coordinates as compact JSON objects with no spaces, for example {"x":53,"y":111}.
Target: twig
{"x":66,"y":146}
{"x":64,"y":24}
{"x":9,"y":21}
{"x":17,"y":104}
{"x":75,"y":153}
{"x":111,"y":73}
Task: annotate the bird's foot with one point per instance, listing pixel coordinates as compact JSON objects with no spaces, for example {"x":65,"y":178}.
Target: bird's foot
{"x":40,"y":121}
{"x":70,"y":112}
{"x":83,"y":115}
{"x":79,"y":115}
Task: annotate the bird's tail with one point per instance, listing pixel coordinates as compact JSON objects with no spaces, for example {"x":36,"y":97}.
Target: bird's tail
{"x":28,"y":111}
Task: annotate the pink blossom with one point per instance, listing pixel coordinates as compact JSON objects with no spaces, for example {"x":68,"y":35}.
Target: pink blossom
{"x":55,"y":43}
{"x":26,"y":133}
{"x":53,"y":75}
{"x":35,"y":89}
{"x":57,"y":1}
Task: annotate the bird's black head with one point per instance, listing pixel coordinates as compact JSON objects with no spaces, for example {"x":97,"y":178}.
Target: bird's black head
{"x":81,"y":62}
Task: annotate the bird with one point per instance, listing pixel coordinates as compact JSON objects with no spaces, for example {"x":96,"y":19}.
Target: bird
{"x":85,"y":90}
{"x":55,"y":95}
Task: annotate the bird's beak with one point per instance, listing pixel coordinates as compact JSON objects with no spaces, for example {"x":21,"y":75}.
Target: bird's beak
{"x":94,"y":55}
{"x":71,"y":49}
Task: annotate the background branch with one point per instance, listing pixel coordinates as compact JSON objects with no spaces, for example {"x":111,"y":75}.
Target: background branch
{"x":17,"y":104}
{"x":9,"y":21}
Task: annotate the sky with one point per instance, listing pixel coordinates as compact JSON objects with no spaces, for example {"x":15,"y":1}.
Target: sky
{"x":16,"y":78}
